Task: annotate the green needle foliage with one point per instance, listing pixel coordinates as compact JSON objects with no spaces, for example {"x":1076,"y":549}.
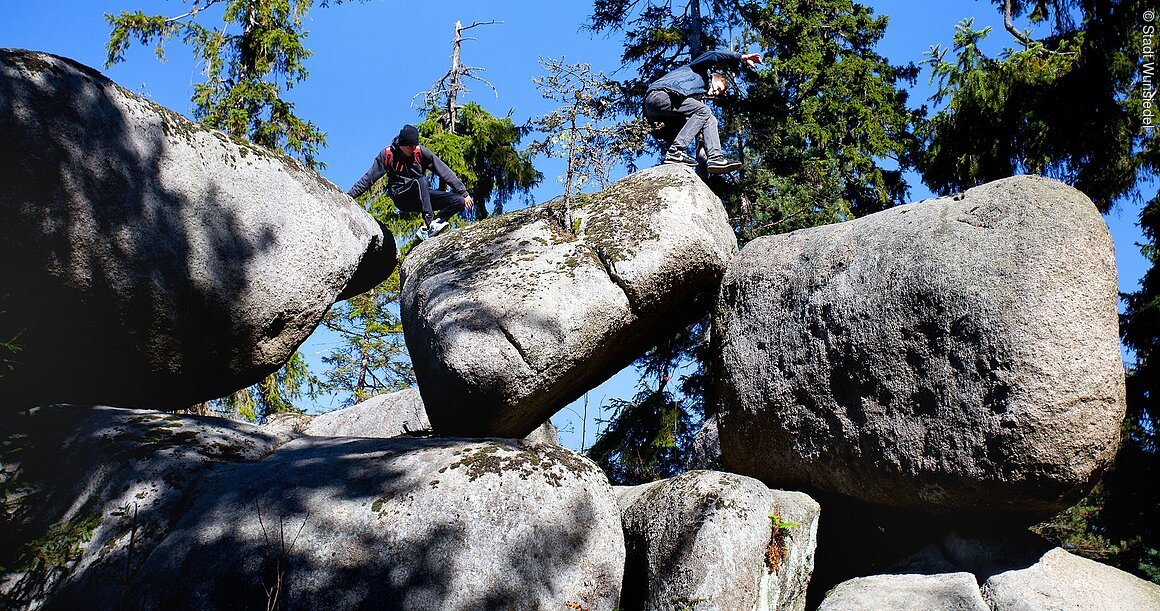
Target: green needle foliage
{"x":1066,"y":106}
{"x":251,"y":60}
{"x":483,"y":153}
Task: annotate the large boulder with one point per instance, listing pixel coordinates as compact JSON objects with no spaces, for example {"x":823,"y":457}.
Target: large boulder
{"x":150,"y":261}
{"x":88,"y":492}
{"x":202,"y":513}
{"x":1061,"y":581}
{"x":711,"y":540}
{"x":517,"y":315}
{"x":954,"y":355}
{"x":906,"y":592}
{"x":390,"y":415}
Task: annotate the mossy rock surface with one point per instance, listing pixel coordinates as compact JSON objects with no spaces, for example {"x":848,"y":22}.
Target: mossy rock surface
{"x":510,"y":319}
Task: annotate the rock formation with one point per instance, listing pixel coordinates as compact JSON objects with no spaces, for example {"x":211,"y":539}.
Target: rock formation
{"x":170,"y":511}
{"x":509,"y":319}
{"x":390,"y":415}
{"x":716,"y":541}
{"x":150,"y":261}
{"x":954,"y":355}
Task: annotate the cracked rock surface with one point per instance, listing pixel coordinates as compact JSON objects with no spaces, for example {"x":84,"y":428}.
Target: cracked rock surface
{"x":952,"y":355}
{"x":510,"y":319}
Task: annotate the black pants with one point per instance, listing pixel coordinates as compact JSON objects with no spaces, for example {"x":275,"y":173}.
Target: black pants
{"x":419,"y":197}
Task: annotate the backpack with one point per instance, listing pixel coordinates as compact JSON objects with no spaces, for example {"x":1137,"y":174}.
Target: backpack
{"x":388,"y":159}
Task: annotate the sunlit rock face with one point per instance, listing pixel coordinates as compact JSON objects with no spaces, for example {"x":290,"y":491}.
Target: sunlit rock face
{"x":952,"y":355}
{"x":510,"y":319}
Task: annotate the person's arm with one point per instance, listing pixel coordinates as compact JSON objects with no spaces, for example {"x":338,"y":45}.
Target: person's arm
{"x":378,"y":168}
{"x":448,"y":177}
{"x":435,"y":164}
{"x":714,"y":58}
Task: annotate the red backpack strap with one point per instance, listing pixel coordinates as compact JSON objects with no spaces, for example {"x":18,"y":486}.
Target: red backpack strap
{"x":387,"y":157}
{"x":419,"y":155}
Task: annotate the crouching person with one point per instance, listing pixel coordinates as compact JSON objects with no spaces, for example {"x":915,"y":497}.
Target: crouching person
{"x":674,"y":105}
{"x":406,"y":164}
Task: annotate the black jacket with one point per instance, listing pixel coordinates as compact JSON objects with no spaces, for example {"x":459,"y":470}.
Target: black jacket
{"x":403,"y":171}
{"x":693,"y":79}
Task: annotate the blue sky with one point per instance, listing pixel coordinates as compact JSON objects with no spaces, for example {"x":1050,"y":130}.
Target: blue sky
{"x":371,"y":58}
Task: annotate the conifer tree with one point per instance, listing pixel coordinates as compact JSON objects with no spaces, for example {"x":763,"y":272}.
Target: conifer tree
{"x":252,"y":59}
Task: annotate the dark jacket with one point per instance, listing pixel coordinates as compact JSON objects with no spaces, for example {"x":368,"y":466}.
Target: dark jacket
{"x":403,"y":171}
{"x":693,"y":79}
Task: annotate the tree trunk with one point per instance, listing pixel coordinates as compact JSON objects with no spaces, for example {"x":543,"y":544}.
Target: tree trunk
{"x":453,"y":89}
{"x":695,"y":43}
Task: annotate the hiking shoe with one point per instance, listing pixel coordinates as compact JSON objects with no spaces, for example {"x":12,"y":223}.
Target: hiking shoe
{"x":437,"y":227}
{"x":679,"y":157}
{"x":721,"y":165}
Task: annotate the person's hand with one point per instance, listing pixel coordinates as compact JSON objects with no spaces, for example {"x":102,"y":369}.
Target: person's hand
{"x":468,"y":202}
{"x":751,"y":59}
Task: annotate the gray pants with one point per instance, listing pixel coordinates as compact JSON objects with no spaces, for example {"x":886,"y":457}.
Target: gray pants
{"x":681,"y":119}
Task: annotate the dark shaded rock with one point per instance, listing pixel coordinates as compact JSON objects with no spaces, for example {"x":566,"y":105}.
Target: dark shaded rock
{"x":157,"y":262}
{"x":159,"y":511}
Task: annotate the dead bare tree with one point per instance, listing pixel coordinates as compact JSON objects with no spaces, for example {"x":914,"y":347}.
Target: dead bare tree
{"x":445,"y":92}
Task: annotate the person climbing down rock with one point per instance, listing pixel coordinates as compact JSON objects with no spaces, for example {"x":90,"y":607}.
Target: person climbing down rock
{"x":674,"y":103}
{"x":406,"y":164}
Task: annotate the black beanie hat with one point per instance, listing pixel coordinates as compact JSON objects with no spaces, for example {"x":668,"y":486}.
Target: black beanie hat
{"x":408,"y":136}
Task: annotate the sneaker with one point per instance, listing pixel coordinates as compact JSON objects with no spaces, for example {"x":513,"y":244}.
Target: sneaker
{"x":422,"y":234}
{"x":437,"y":227}
{"x":679,"y":157}
{"x":721,"y":165}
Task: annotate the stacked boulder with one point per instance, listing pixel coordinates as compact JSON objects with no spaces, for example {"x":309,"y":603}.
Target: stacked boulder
{"x":150,"y":261}
{"x":716,"y":541}
{"x":954,"y":355}
{"x":955,"y":358}
{"x":520,"y":314}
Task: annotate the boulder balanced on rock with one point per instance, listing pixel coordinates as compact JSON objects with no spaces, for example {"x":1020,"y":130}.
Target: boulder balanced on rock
{"x":959,"y":354}
{"x":150,"y":261}
{"x":509,"y":319}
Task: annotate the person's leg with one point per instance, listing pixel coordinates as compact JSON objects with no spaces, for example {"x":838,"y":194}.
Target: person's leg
{"x":425,"y":199}
{"x":667,"y":124}
{"x":699,"y":119}
{"x":447,"y":204}
{"x":707,"y":137}
{"x":408,"y":200}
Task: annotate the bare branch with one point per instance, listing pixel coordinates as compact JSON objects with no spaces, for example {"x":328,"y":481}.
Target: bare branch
{"x":479,"y":23}
{"x":1010,"y":25}
{"x":193,"y":11}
